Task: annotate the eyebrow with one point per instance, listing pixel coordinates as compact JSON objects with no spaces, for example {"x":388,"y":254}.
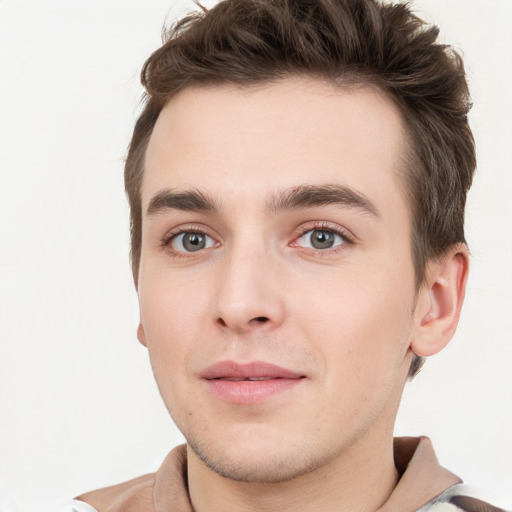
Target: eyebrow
{"x":296,"y":198}
{"x":310,"y":196}
{"x":189,"y":200}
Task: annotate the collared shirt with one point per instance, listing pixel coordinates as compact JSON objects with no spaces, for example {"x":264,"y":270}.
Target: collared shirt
{"x":424,"y":486}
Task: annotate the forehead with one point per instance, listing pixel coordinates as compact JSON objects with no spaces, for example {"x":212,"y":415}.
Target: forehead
{"x":257,"y":140}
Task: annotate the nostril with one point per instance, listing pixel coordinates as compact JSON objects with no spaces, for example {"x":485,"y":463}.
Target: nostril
{"x":257,"y":319}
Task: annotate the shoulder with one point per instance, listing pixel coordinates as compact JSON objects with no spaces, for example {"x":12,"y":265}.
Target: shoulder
{"x":135,"y":494}
{"x":164,"y":490}
{"x":458,"y":499}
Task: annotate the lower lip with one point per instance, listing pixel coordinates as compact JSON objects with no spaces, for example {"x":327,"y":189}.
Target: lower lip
{"x":248,"y":392}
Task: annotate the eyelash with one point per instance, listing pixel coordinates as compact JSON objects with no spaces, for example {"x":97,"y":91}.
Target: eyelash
{"x":348,"y":238}
{"x":306,"y":228}
{"x":170,"y":236}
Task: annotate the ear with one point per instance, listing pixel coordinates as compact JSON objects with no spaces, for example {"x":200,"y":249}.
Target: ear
{"x":141,"y":335}
{"x":440,"y":301}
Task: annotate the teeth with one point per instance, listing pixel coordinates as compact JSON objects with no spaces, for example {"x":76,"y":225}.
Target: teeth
{"x":259,"y":378}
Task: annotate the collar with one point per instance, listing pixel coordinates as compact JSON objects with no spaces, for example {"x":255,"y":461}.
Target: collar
{"x":422,"y":479}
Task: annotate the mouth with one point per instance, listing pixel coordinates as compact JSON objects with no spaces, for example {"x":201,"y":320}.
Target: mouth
{"x":252,"y":379}
{"x":250,"y":383}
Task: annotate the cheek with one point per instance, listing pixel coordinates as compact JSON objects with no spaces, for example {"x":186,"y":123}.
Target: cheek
{"x":359,"y":324}
{"x":171,"y":319}
{"x":169,"y":307}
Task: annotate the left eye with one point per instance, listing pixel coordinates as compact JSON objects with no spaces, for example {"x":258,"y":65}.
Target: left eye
{"x":320,"y":239}
{"x":191,"y":241}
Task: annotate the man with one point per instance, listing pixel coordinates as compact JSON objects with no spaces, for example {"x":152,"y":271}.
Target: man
{"x":297,"y":183}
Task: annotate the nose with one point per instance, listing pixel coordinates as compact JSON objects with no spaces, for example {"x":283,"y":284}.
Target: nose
{"x":249,"y":292}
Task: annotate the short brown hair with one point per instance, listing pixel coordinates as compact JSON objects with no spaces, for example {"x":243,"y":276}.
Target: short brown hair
{"x":343,"y":41}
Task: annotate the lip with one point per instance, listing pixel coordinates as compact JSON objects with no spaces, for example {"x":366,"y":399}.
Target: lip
{"x":249,"y":383}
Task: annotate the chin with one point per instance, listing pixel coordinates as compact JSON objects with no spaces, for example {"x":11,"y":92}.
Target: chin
{"x":256,"y":463}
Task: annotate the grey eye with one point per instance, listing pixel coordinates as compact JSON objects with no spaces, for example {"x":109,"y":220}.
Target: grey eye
{"x":320,"y":239}
{"x":192,"y":241}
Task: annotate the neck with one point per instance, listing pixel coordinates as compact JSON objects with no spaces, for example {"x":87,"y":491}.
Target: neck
{"x":359,"y":479}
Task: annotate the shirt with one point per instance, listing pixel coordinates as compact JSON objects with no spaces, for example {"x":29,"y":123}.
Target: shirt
{"x":424,"y":486}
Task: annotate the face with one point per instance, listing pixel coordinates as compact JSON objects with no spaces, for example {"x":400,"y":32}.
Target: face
{"x":276,"y":286}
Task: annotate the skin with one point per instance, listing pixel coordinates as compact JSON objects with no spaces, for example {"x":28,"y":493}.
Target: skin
{"x":348,"y":317}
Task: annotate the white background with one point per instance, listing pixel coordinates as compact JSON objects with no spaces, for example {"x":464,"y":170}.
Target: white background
{"x":78,"y":406}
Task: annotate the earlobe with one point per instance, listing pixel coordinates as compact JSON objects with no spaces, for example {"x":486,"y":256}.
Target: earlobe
{"x":141,"y":335}
{"x":440,"y":302}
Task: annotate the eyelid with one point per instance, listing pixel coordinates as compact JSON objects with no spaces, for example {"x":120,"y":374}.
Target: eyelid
{"x":348,"y":237}
{"x":179,"y":240}
{"x":173,"y":233}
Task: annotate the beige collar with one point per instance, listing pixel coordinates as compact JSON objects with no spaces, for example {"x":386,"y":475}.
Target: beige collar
{"x":422,"y":479}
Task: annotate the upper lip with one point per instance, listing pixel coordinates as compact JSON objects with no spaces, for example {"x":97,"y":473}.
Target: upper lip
{"x":254,"y":369}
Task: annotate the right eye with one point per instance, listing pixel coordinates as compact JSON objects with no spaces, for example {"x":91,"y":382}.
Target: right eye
{"x":191,"y":241}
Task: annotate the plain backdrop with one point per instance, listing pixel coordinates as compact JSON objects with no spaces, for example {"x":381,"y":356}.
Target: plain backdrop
{"x":78,"y":405}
